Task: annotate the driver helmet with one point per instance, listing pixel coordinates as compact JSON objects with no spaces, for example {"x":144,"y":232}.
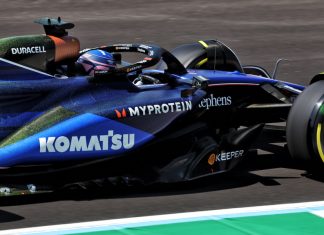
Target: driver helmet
{"x":96,"y":60}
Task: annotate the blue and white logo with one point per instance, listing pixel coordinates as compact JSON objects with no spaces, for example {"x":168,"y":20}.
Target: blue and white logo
{"x":111,"y":141}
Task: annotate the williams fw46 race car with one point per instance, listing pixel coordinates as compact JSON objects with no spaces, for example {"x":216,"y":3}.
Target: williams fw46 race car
{"x":71,"y":116}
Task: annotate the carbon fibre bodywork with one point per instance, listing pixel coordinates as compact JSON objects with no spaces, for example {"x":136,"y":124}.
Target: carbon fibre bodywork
{"x":195,"y":121}
{"x":66,"y":122}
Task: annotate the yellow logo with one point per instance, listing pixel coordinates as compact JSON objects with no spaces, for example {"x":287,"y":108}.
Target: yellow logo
{"x":212,"y":159}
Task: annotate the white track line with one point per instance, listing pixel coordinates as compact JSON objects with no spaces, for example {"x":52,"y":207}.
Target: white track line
{"x":316,"y":208}
{"x":319,"y":213}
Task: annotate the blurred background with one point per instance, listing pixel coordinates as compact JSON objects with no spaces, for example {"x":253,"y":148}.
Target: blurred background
{"x":259,"y":31}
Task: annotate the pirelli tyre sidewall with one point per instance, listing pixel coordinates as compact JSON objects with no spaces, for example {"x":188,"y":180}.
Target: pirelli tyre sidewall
{"x":305,"y":124}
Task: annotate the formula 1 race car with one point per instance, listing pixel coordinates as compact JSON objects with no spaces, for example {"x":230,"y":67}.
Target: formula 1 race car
{"x":196,"y":114}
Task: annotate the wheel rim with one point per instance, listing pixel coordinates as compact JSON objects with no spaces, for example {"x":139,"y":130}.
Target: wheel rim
{"x":317,"y":130}
{"x":319,"y":143}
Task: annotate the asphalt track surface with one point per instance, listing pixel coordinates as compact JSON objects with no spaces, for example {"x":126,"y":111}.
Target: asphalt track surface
{"x":259,"y":31}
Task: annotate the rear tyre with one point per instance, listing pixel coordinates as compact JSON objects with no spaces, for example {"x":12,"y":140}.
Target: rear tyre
{"x":305,"y":125}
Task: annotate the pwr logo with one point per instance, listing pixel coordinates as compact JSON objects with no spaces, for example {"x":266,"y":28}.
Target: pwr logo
{"x":154,"y":109}
{"x":121,"y":114}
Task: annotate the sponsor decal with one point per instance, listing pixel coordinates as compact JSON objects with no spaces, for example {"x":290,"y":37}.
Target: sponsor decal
{"x":123,"y":45}
{"x":111,"y":141}
{"x":226,"y":156}
{"x":148,"y":48}
{"x":212,"y":159}
{"x":145,"y":60}
{"x":122,"y":48}
{"x":154,"y":109}
{"x":133,"y":68}
{"x":145,"y":47}
{"x":28,"y":50}
{"x":121,"y":114}
{"x":141,"y":50}
{"x":212,"y":101}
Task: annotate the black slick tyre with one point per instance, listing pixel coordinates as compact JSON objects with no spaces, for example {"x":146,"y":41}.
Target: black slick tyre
{"x":304,"y":131}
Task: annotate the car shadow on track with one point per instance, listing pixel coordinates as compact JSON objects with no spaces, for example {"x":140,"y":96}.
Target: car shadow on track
{"x":241,"y":177}
{"x":9,"y":217}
